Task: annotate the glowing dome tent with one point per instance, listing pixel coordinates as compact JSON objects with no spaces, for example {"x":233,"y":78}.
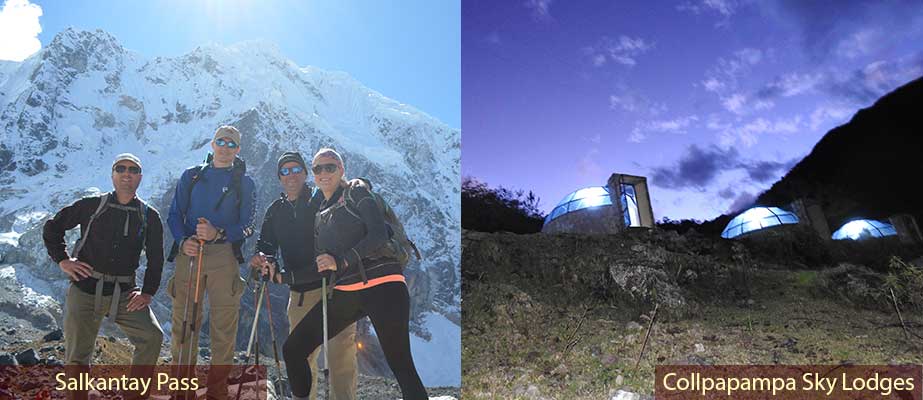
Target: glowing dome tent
{"x":594,"y":196}
{"x":624,"y":202}
{"x":757,"y":218}
{"x":864,"y":228}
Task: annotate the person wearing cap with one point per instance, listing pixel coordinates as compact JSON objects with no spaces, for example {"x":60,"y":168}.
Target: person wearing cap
{"x":114,"y":227}
{"x":289,"y":225}
{"x":210,"y":207}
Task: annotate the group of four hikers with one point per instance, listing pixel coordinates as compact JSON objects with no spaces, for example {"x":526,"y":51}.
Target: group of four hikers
{"x":339,"y":228}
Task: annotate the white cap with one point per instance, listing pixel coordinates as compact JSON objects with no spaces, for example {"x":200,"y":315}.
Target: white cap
{"x":127,"y":156}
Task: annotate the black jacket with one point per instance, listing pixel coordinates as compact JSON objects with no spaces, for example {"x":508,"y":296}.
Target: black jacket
{"x":108,"y":250}
{"x":353,"y":232}
{"x":289,"y":226}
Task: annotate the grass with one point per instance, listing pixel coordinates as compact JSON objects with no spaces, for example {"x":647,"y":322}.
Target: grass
{"x":515,"y":335}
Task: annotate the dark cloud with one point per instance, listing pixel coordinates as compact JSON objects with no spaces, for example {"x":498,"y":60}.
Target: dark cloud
{"x":727,"y":193}
{"x":743,"y":200}
{"x":765,"y":171}
{"x":700,"y":166}
{"x":696,"y":169}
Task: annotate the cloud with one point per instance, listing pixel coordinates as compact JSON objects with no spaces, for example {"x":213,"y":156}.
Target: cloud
{"x":865,"y":85}
{"x":700,"y":167}
{"x":636,"y":103}
{"x":724,"y":77}
{"x":743,"y":200}
{"x":846,"y":28}
{"x":695,"y":169}
{"x":859,"y":43}
{"x":727,"y":193}
{"x":791,"y":84}
{"x":748,"y":134}
{"x":19,"y":28}
{"x":637,"y":136}
{"x":677,"y":125}
{"x":540,"y":9}
{"x":828,"y":113}
{"x":725,"y":8}
{"x":765,"y":171}
{"x":623,"y":51}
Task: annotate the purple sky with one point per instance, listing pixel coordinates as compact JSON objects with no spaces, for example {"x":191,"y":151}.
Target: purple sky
{"x":712,"y":100}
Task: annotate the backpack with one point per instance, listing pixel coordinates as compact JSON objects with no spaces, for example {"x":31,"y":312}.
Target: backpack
{"x":399,"y":246}
{"x":238,"y":169}
{"x":104,"y":205}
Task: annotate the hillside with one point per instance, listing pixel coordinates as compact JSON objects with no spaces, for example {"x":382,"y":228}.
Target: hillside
{"x":565,"y":316}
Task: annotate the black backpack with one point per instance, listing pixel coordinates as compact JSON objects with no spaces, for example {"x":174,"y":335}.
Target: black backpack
{"x":398,"y":246}
{"x":104,"y":205}
{"x":238,"y":169}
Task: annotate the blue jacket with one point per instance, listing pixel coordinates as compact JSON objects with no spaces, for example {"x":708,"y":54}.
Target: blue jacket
{"x":237,"y":223}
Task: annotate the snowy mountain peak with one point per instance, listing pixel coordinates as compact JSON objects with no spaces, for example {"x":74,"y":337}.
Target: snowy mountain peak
{"x":66,"y":111}
{"x":80,"y":49}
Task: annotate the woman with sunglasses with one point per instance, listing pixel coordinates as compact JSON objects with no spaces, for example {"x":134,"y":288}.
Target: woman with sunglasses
{"x":349,"y":231}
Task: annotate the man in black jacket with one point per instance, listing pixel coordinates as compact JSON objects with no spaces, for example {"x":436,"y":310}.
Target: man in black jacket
{"x":289,"y":225}
{"x":114,"y":227}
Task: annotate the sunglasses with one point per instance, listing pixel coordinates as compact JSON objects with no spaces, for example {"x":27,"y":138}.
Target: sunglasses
{"x":286,"y":171}
{"x":328,"y":168}
{"x":221,"y":142}
{"x":122,"y":168}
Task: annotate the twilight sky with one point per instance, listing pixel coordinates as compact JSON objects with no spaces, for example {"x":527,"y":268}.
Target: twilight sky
{"x":409,"y":53}
{"x":712,"y":100}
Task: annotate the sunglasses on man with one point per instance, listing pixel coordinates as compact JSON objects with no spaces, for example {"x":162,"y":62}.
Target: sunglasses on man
{"x":221,"y":142}
{"x":122,"y":168}
{"x":286,"y":171}
{"x":328,"y":168}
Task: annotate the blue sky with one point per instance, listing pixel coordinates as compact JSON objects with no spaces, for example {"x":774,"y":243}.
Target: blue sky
{"x":712,"y":100}
{"x":408,"y":50}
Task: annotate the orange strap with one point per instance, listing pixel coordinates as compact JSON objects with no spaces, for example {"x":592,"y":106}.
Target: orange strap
{"x":372,"y":282}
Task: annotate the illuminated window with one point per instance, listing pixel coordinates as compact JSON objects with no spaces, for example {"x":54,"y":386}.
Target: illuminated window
{"x":863,"y":228}
{"x":757,"y":218}
{"x":594,"y":196}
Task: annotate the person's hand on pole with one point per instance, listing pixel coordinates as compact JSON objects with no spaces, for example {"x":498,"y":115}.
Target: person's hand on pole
{"x":191,"y":246}
{"x":204,"y":230}
{"x":326,"y":262}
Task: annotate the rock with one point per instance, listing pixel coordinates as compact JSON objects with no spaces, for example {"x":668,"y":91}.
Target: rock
{"x":54,"y":335}
{"x":626,"y":395}
{"x":46,"y":349}
{"x":619,"y":380}
{"x":27,"y":357}
{"x":7,"y":359}
{"x":203,"y":351}
{"x":699,"y":348}
{"x":54,"y":362}
{"x":633,"y":326}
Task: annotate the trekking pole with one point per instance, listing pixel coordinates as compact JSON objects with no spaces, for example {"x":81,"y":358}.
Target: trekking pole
{"x":323,"y":284}
{"x":195,"y":304}
{"x":182,"y":338}
{"x":256,"y":319}
{"x":275,"y":349}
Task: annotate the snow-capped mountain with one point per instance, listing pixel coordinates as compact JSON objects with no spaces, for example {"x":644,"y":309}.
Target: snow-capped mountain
{"x":67,"y":110}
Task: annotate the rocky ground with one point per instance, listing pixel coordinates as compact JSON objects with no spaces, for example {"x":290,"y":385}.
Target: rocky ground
{"x":566,"y":316}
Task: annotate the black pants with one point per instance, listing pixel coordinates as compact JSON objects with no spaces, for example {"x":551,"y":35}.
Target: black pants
{"x":387,"y":306}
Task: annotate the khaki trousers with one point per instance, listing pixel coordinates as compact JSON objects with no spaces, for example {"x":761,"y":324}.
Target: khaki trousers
{"x":220,"y":279}
{"x":342,"y":357}
{"x":82,"y":322}
{"x":81,"y":326}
